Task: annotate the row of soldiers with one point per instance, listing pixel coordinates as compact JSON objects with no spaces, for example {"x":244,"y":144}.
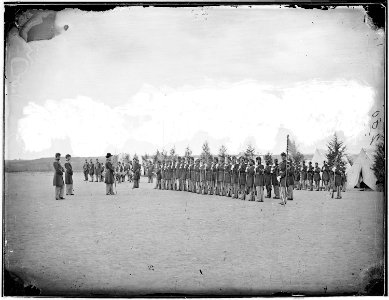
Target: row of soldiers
{"x":242,"y":178}
{"x":93,"y":169}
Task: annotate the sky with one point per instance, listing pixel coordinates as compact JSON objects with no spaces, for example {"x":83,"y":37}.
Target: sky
{"x":137,"y":79}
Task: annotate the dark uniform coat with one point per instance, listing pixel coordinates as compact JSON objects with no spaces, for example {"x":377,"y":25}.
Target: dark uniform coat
{"x":58,"y":172}
{"x":209,"y":172}
{"x":159,"y":173}
{"x":220,"y":172}
{"x":197,"y":172}
{"x":267,"y":175}
{"x":235,"y":174}
{"x":326,"y":173}
{"x":250,"y":171}
{"x":109,"y":173}
{"x":290,"y":179}
{"x":242,"y":174}
{"x":259,"y":178}
{"x":316,"y":175}
{"x":282,"y":173}
{"x":338,"y":176}
{"x":68,"y":173}
{"x":310,"y":173}
{"x":227,"y":175}
{"x":297,"y":174}
{"x":276,"y":172}
{"x":202,"y":173}
{"x":304,"y":173}
{"x":91,"y":169}
{"x":136,"y":171}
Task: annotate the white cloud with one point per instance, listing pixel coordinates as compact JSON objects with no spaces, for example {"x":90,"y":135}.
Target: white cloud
{"x":310,"y":110}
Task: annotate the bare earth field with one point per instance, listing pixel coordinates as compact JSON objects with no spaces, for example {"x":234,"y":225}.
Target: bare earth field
{"x":145,"y":241}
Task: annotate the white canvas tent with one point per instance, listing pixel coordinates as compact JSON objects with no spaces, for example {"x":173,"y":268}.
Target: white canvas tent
{"x":318,"y":157}
{"x":361,"y":171}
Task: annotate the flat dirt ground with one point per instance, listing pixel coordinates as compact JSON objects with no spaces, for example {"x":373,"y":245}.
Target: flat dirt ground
{"x":147,"y":241}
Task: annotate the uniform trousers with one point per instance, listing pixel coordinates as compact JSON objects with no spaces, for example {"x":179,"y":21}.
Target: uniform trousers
{"x":98,"y":177}
{"x":86,"y":176}
{"x":69,"y":189}
{"x":338,"y":192}
{"x":59,"y":192}
{"x":290,"y":192}
{"x":91,"y":177}
{"x":136,"y":184}
{"x":276,"y":191}
{"x":260,"y":192}
{"x":268,"y":190}
{"x":109,"y":189}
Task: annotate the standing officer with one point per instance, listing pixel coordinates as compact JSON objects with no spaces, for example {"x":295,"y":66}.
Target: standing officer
{"x":220,"y":176}
{"x":109,"y":175}
{"x":197,"y":176}
{"x":203,"y":178}
{"x":326,"y":175}
{"x":338,"y":180}
{"x":136,"y":173}
{"x":250,"y":172}
{"x":274,"y":180}
{"x":310,"y":176}
{"x":163,"y":178}
{"x":297,"y":172}
{"x":150,"y":171}
{"x":68,"y":176}
{"x":267,"y":179}
{"x":58,"y":178}
{"x":214,"y":175}
{"x":227,"y":177}
{"x":208,"y":170}
{"x":235,"y":177}
{"x":242,"y":179}
{"x":91,"y":170}
{"x":98,"y":170}
{"x":86,"y":170}
{"x":102,"y":173}
{"x":316,"y":176}
{"x":178,"y":174}
{"x":304,"y":175}
{"x":290,"y":179}
{"x":259,"y":180}
{"x":283,"y":171}
{"x":158,"y":175}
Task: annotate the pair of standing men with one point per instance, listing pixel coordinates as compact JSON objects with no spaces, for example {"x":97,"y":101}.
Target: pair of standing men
{"x":58,"y":177}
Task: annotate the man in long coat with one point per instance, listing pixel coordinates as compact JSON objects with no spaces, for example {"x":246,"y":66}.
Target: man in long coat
{"x":68,"y":175}
{"x":58,"y":178}
{"x":98,"y":170}
{"x":86,"y":170}
{"x":109,"y":175}
{"x":136,"y":173}
{"x":267,"y":179}
{"x":283,"y":182}
{"x":274,"y":180}
{"x":91,"y":170}
{"x":259,"y":180}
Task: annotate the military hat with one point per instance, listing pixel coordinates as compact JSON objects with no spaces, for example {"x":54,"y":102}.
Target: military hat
{"x":57,"y":155}
{"x":310,"y":163}
{"x":108,"y":155}
{"x":68,"y":155}
{"x":283,"y":154}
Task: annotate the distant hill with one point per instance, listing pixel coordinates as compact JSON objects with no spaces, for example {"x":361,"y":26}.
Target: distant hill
{"x":44,"y":164}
